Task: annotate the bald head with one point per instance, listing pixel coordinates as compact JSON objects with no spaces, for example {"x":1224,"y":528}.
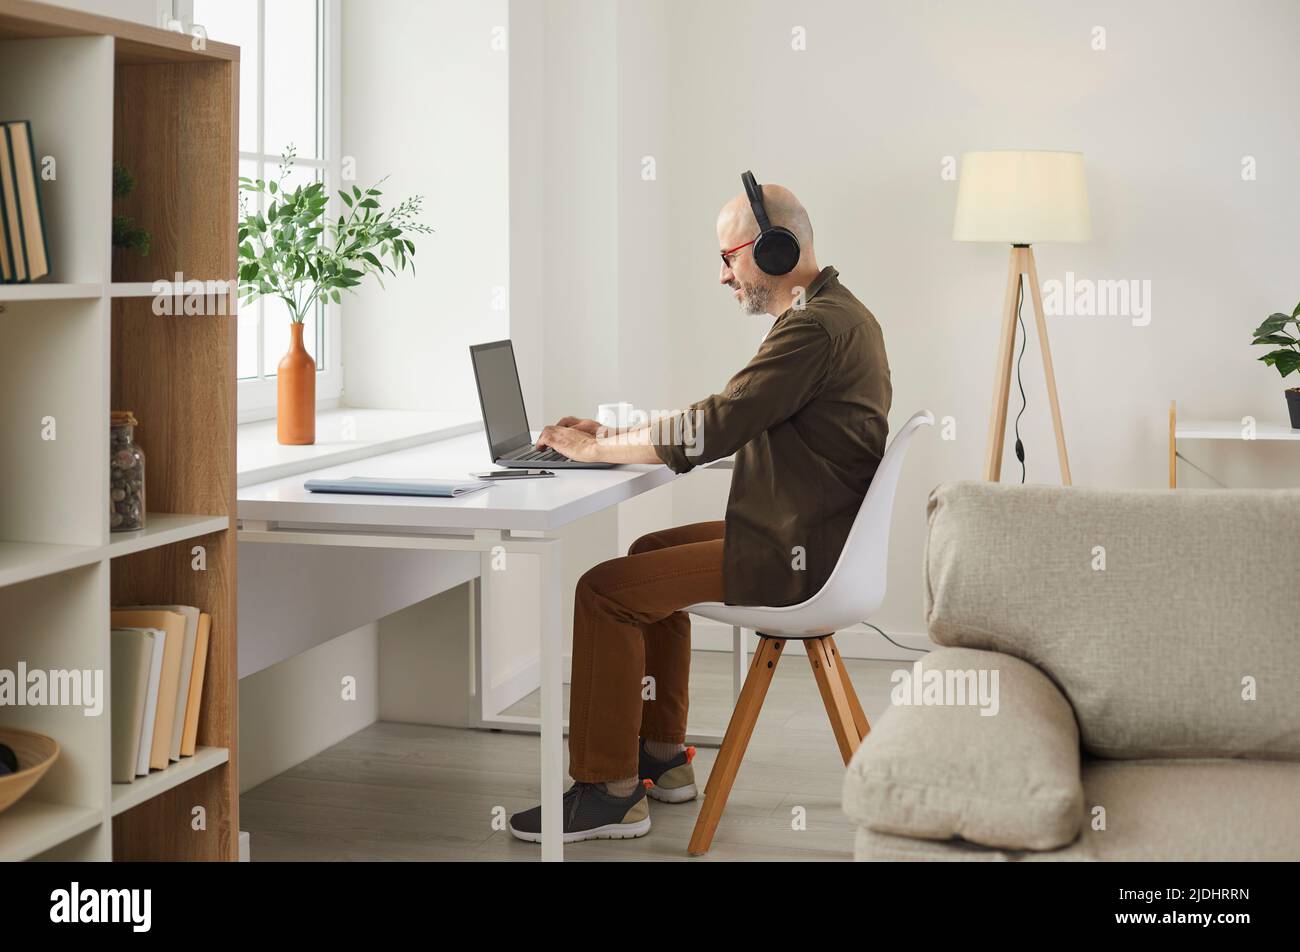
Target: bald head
{"x":757,"y":292}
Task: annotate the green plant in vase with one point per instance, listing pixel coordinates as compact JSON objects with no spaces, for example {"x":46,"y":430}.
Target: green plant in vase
{"x":1282,"y":332}
{"x":293,"y":251}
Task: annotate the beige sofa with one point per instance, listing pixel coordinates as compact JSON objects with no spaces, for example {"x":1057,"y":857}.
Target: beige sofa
{"x":1119,"y":679}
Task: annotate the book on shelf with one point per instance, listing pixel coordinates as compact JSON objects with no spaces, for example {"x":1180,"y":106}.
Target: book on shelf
{"x":144,"y":741}
{"x":13,"y":263}
{"x":24,"y":250}
{"x":186,"y":670}
{"x":173,"y":624}
{"x":131,"y":654}
{"x":190,"y":739}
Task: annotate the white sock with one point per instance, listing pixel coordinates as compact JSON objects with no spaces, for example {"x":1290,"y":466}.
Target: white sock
{"x":663,"y":750}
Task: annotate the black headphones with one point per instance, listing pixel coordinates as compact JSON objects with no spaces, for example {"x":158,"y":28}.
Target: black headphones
{"x":776,"y":250}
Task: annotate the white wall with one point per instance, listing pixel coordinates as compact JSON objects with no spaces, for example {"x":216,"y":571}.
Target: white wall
{"x":141,"y":11}
{"x":425,"y":101}
{"x":859,"y":124}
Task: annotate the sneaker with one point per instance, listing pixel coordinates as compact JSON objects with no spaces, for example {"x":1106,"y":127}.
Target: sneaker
{"x":673,"y":780}
{"x":590,"y":813}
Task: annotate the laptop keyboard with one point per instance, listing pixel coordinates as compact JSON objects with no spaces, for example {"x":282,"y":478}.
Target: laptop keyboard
{"x":547,"y":455}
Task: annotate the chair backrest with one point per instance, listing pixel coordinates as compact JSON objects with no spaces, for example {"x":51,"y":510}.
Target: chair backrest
{"x":856,"y":586}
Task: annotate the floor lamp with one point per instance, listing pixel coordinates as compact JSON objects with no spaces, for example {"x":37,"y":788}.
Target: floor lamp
{"x":1020,"y":198}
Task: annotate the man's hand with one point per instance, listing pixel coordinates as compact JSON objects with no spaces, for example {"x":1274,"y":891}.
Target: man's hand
{"x":571,"y":441}
{"x":577,"y":423}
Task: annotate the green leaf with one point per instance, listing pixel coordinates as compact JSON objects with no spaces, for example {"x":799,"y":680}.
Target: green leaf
{"x":1275,"y":322}
{"x":1286,"y":361}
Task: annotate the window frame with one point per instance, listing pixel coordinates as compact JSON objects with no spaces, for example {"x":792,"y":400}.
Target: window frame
{"x":257,"y":395}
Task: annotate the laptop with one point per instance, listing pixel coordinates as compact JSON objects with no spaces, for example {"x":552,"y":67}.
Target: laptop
{"x":504,"y":419}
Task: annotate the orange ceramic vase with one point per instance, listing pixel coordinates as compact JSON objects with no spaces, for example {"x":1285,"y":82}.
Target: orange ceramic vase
{"x":295,"y":413}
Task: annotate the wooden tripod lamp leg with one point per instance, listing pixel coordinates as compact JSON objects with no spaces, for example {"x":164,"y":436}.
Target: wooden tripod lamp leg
{"x":734,"y":742}
{"x":1173,"y":444}
{"x":1037,"y":295}
{"x":1002,"y":375}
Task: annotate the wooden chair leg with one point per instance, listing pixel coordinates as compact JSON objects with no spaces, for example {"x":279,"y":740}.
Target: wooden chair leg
{"x":831,"y":685}
{"x":859,"y":715}
{"x":734,"y":742}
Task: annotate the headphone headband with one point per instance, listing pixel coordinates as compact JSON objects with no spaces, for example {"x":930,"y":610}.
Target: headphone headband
{"x":755,"y":193}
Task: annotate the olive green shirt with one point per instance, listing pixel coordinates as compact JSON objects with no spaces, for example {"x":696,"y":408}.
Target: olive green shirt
{"x":807,"y":419}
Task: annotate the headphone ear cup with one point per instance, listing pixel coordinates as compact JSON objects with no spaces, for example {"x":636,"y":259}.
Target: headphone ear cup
{"x":776,"y":251}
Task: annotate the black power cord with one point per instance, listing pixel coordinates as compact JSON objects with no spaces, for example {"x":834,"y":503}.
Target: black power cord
{"x":1024,"y":401}
{"x":1020,"y":446}
{"x":892,"y":641}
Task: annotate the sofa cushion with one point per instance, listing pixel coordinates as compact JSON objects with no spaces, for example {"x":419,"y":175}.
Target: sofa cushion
{"x":1183,"y":811}
{"x":1158,"y":613}
{"x":1001,"y":768}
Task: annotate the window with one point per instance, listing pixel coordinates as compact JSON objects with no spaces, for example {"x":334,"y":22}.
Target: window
{"x":289,"y":96}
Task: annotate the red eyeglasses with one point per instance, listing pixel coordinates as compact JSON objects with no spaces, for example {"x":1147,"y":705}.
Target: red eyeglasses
{"x":726,"y":255}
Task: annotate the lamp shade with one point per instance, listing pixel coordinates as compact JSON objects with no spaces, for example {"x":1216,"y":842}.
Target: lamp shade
{"x":1022,"y":197}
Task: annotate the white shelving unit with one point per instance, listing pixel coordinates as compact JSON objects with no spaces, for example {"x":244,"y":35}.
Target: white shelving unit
{"x":164,"y":529}
{"x":128,"y":795}
{"x":49,"y":292}
{"x":79,"y":341}
{"x":31,"y":827}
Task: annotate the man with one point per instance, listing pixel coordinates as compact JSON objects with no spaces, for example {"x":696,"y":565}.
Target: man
{"x":806,"y":419}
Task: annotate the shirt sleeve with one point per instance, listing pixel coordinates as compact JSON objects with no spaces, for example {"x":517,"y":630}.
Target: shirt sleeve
{"x":788,"y":371}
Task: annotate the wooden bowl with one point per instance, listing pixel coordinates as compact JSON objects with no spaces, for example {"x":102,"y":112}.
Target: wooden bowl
{"x":35,"y":752}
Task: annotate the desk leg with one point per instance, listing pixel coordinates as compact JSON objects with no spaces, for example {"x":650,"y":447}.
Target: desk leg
{"x":739,"y":661}
{"x":552,"y":695}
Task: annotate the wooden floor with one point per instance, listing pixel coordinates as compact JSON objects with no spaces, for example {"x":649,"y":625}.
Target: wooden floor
{"x":413,"y":792}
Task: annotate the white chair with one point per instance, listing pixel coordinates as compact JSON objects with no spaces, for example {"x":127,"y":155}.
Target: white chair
{"x":852,"y":593}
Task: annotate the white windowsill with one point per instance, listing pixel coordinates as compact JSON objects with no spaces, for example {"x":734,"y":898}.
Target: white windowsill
{"x":343,"y":434}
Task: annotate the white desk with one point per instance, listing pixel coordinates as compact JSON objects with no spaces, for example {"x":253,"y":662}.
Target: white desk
{"x":512,"y":517}
{"x":1234,"y":430}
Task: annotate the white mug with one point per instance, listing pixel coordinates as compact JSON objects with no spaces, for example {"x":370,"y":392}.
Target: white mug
{"x":618,"y":416}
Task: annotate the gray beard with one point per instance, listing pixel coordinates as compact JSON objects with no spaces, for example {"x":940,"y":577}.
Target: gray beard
{"x":755,"y":298}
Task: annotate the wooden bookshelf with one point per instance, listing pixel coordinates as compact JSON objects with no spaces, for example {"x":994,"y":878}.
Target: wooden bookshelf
{"x":83,"y":341}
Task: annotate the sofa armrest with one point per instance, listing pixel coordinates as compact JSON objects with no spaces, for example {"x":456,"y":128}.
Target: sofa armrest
{"x":937,"y":766}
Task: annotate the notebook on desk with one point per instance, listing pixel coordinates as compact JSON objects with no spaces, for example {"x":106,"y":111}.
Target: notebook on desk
{"x":371,"y":486}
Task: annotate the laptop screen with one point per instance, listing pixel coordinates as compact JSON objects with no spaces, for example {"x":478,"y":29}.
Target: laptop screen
{"x":500,"y":396}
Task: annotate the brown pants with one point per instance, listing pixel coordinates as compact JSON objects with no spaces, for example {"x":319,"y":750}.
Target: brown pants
{"x":627,"y":625}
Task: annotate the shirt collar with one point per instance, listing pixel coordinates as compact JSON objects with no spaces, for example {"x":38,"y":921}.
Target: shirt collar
{"x":819,"y":282}
{"x":826,"y":275}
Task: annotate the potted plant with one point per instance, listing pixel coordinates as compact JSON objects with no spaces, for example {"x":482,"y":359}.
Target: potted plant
{"x":293,"y":252}
{"x":1282,"y":331}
